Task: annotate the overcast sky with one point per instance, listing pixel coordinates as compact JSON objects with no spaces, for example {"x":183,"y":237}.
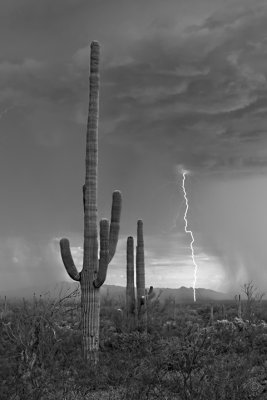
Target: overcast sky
{"x":183,"y":83}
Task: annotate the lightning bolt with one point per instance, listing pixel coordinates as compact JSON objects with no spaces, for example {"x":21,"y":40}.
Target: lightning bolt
{"x":184,"y":173}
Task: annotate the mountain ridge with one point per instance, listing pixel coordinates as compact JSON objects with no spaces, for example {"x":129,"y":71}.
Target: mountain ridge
{"x":182,"y":294}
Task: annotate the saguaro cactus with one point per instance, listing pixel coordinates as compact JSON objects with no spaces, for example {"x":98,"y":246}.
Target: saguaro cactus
{"x":223,"y":312}
{"x":130,"y":289}
{"x":93,"y":273}
{"x":140,"y":271}
{"x":239,"y":309}
{"x":211,"y":314}
{"x":136,"y":303}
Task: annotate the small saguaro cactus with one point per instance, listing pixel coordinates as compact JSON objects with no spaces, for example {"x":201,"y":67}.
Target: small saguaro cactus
{"x":140,"y":270}
{"x":211,"y":314}
{"x":130,"y":289}
{"x":93,"y":273}
{"x":137,"y":305}
{"x":239,"y":309}
{"x":223,"y":312}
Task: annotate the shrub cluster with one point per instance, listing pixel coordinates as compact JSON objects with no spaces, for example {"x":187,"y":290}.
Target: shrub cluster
{"x":41,"y":357}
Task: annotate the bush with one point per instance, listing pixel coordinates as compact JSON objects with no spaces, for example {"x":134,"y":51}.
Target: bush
{"x":41,"y":357}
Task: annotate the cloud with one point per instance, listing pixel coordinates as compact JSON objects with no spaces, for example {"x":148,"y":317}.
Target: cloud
{"x":36,"y":15}
{"x":162,"y":88}
{"x":45,"y":97}
{"x":191,"y":95}
{"x":168,"y":81}
{"x":176,"y":91}
{"x":28,"y":66}
{"x":16,"y":79}
{"x":168,"y":263}
{"x":230,"y":224}
{"x":26,"y":264}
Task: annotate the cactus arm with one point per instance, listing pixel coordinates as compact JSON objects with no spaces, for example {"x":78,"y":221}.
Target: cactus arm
{"x":114,"y":223}
{"x":68,"y":260}
{"x":104,"y":253}
{"x":108,"y":239}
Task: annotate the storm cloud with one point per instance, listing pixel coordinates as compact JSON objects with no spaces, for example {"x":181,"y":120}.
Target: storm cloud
{"x":182,"y":85}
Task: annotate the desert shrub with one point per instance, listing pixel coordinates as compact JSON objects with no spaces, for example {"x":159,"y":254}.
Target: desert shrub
{"x":41,"y":357}
{"x":33,"y":349}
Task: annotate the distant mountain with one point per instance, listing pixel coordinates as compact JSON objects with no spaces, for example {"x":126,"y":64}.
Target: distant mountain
{"x":182,"y":294}
{"x":186,"y":295}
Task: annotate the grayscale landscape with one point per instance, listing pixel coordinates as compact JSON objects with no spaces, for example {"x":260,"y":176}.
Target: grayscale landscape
{"x":133,"y":171}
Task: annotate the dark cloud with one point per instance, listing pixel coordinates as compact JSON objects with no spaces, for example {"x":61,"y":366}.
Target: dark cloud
{"x":166,"y":90}
{"x":201,"y":91}
{"x":184,"y":84}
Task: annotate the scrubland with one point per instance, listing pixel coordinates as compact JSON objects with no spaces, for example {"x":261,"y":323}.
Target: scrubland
{"x":185,"y":353}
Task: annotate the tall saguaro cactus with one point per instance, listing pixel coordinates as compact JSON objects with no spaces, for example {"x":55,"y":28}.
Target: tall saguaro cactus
{"x":93,"y":273}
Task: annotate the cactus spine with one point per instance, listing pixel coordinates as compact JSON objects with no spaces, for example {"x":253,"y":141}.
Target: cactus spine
{"x":93,"y":273}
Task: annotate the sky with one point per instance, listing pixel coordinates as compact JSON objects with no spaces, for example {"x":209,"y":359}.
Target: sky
{"x":183,"y":85}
